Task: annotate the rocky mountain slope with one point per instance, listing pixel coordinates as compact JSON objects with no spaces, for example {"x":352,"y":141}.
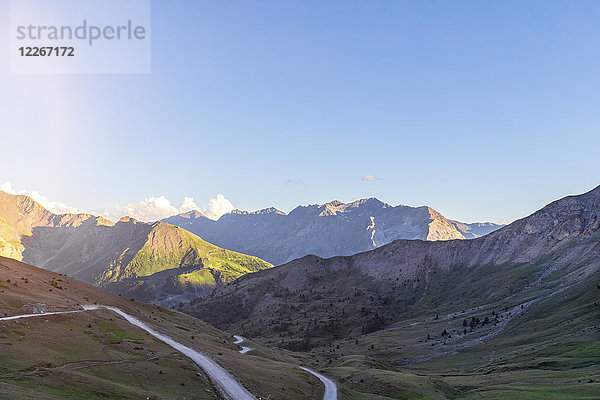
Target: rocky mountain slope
{"x":514,"y":299}
{"x":20,"y":214}
{"x":151,"y":262}
{"x":325,"y":230}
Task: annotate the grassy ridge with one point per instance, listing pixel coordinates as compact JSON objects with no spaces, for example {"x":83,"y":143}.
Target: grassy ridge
{"x":172,"y":247}
{"x":190,"y":250}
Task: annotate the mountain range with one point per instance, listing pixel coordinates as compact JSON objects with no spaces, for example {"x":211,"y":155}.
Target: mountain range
{"x":326,"y":230}
{"x":512,"y":314}
{"x":155,"y":262}
{"x":184,"y":257}
{"x":523,"y":298}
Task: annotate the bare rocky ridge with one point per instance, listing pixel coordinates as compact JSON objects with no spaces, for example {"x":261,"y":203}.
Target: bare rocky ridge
{"x":326,"y":230}
{"x":151,"y":262}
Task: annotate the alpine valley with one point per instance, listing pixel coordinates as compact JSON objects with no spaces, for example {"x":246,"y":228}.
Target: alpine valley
{"x":513,"y":314}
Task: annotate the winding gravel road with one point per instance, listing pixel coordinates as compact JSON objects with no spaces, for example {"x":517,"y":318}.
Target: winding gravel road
{"x":330,"y":386}
{"x":238,"y":340}
{"x":38,"y":315}
{"x":218,"y":375}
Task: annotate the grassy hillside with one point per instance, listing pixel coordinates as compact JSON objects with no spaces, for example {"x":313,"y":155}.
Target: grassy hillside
{"x":545,"y":350}
{"x":175,"y":264}
{"x":168,"y":246}
{"x":98,"y":355}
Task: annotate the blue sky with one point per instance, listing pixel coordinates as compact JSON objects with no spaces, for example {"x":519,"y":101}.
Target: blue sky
{"x":482,"y":110}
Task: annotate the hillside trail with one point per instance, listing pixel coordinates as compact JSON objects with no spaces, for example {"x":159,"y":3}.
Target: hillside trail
{"x":330,"y":386}
{"x":238,"y":340}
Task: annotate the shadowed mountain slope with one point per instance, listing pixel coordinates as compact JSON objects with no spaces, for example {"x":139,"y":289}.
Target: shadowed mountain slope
{"x":562,"y":238}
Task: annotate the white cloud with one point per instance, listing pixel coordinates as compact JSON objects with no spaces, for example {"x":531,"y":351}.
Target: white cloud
{"x":295,"y":182}
{"x":7,"y":187}
{"x":53,"y":206}
{"x":218,"y":206}
{"x":188,"y":205}
{"x":157,"y":208}
{"x":154,"y":209}
{"x":368,"y":178}
{"x":150,"y":209}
